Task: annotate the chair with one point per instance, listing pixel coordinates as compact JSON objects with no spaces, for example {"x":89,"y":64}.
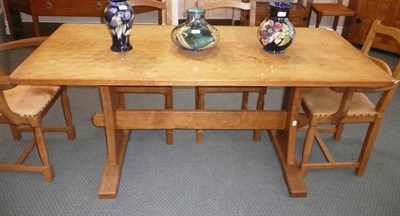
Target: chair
{"x":164,"y":7}
{"x":331,"y":9}
{"x":247,"y":6}
{"x":12,"y":9}
{"x":338,"y":106}
{"x":201,"y":91}
{"x":167,"y":91}
{"x":23,"y":107}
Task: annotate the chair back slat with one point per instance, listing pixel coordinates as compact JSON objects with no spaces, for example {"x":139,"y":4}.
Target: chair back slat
{"x":378,"y":28}
{"x":165,"y":7}
{"x":250,"y":6}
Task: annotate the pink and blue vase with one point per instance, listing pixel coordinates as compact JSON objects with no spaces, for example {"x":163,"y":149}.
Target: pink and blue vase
{"x":276,"y":32}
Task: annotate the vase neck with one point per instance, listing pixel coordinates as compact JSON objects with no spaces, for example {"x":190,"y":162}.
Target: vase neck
{"x":116,"y":1}
{"x":195,"y":13}
{"x":279,"y":9}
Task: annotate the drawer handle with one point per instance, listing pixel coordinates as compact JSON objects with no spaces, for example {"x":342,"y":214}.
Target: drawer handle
{"x":49,"y":5}
{"x":99,"y":5}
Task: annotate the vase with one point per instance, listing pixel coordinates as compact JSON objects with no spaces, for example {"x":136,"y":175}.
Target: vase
{"x":276,"y":32}
{"x":195,"y":33}
{"x":118,"y":16}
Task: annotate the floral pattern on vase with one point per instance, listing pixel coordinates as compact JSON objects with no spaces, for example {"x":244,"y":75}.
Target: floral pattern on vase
{"x":119,"y":18}
{"x":195,"y":33}
{"x":276,"y":32}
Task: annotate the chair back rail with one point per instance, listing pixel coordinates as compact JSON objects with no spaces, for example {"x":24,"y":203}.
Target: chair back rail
{"x":165,"y":6}
{"x":250,"y":6}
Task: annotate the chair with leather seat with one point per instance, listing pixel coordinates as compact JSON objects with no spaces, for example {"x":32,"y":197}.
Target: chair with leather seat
{"x":165,"y":8}
{"x":23,"y":107}
{"x":331,"y":9}
{"x":340,"y":106}
{"x":201,"y":91}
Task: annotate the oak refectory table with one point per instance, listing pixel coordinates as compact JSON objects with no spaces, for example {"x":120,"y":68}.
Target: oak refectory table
{"x":79,"y":55}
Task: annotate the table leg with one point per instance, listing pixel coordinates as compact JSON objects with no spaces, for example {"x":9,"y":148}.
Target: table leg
{"x":116,"y":141}
{"x":285,"y":143}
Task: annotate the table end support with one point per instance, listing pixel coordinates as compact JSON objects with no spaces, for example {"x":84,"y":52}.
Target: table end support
{"x":291,"y":173}
{"x":112,"y":174}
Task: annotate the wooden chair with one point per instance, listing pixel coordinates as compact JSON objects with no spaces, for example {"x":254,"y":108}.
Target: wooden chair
{"x":167,"y":91}
{"x":201,"y":91}
{"x":338,"y":106}
{"x":12,"y":9}
{"x":164,"y":7}
{"x":331,"y":9}
{"x":23,"y":107}
{"x":249,"y":5}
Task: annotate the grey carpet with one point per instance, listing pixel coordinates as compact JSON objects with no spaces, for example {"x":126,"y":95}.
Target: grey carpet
{"x":227,"y":175}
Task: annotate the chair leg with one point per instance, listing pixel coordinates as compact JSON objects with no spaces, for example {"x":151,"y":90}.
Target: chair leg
{"x":335,"y":23}
{"x":25,"y":153}
{"x":339,"y":131}
{"x":121,"y":100}
{"x":199,"y":106}
{"x":245,"y":101}
{"x":245,"y":106}
{"x":47,"y":171}
{"x":368,"y":144}
{"x":66,"y":106}
{"x":308,"y":144}
{"x":324,"y":149}
{"x":169,"y":105}
{"x":260,"y":106}
{"x":16,"y":133}
{"x":318,"y":20}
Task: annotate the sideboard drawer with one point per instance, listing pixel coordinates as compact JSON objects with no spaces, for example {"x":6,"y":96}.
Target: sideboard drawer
{"x":69,"y":8}
{"x":36,"y":8}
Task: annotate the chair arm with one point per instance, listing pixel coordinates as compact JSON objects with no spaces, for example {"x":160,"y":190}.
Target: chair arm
{"x":344,"y":106}
{"x":382,"y":64}
{"x":5,"y":83}
{"x":6,"y":112}
{"x":28,"y":42}
{"x":363,"y":89}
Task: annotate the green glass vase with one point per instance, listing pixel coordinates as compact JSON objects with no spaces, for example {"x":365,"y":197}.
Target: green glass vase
{"x":195,"y":33}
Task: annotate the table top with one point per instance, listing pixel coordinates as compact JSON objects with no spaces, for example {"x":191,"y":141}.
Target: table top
{"x":79,"y":54}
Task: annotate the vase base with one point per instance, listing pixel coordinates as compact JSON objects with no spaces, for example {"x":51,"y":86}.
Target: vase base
{"x":275,"y":51}
{"x":121,"y":49}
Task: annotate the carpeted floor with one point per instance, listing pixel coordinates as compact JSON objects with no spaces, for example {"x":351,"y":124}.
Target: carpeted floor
{"x":227,"y":175}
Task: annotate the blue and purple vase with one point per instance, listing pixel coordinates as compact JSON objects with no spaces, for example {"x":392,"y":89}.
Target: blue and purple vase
{"x":118,"y":16}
